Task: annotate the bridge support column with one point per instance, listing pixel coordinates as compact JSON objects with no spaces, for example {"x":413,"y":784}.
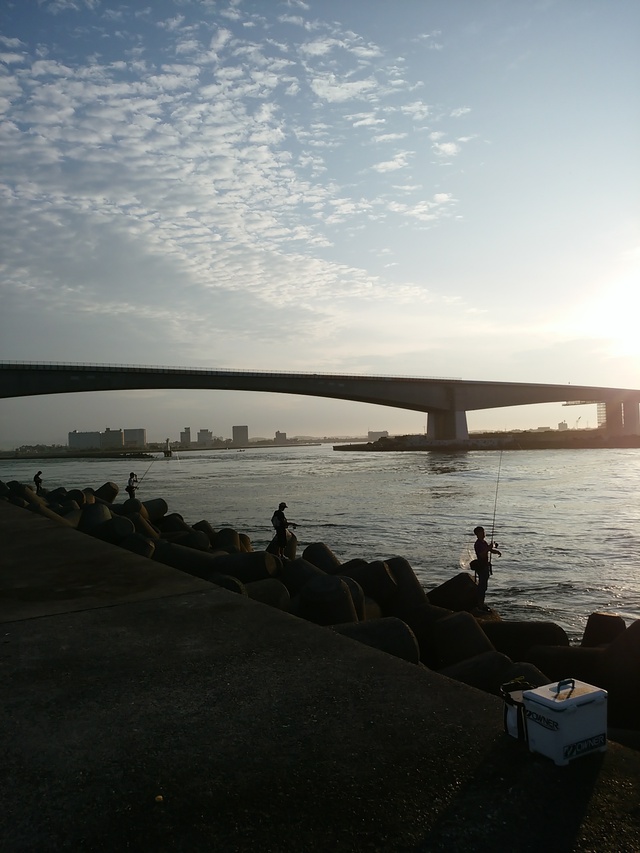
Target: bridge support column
{"x":614,"y":418}
{"x":631,"y":418}
{"x":447,"y":425}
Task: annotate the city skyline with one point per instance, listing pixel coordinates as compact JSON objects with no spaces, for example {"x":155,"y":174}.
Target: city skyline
{"x":430,"y":189}
{"x":205,"y":435}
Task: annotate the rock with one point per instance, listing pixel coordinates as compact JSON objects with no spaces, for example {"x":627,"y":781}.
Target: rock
{"x":458,"y":593}
{"x":294,"y":574}
{"x":93,"y":516}
{"x":325,"y":600}
{"x":171,"y":523}
{"x":620,"y":664}
{"x":389,"y":634}
{"x":144,"y":526}
{"x":421,"y":620}
{"x":409,"y":593}
{"x":602,"y":628}
{"x":78,"y":496}
{"x":323,"y":557}
{"x":245,"y":543}
{"x":227,"y":539}
{"x":270,"y":591}
{"x":486,"y":671}
{"x":205,"y":527}
{"x":375,"y":578}
{"x":39,"y":509}
{"x":107,"y":492}
{"x":139,"y":544}
{"x":459,"y":637}
{"x":558,"y":662}
{"x":357,"y":595}
{"x":197,"y":539}
{"x":515,"y":638}
{"x":117,"y":528}
{"x":156,"y":509}
{"x":247,"y":567}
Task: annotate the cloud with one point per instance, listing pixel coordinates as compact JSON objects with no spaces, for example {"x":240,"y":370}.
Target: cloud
{"x":399,"y":161}
{"x":331,"y":88}
{"x":173,"y":184}
{"x":446,"y":149}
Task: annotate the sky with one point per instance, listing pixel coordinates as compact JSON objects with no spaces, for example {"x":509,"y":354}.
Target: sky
{"x":437,"y":188}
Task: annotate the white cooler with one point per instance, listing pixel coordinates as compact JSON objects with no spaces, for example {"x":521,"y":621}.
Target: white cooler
{"x":566,"y":719}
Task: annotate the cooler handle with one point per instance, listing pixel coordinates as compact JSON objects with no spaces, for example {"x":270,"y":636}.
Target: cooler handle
{"x":566,"y":682}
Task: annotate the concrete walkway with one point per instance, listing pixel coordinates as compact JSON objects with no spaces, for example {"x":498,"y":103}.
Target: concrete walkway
{"x":145,"y":710}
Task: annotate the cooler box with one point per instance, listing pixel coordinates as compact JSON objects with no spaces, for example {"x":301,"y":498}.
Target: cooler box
{"x":566,"y":719}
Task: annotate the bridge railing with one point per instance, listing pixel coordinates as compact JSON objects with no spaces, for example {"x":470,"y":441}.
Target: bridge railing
{"x":148,"y":368}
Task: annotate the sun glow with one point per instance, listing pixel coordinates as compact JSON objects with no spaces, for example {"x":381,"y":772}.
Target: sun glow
{"x":614,"y":317}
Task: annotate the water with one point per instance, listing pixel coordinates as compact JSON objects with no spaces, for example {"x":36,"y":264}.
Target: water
{"x":567,"y":521}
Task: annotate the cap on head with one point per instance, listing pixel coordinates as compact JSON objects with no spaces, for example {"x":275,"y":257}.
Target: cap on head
{"x":282,"y":505}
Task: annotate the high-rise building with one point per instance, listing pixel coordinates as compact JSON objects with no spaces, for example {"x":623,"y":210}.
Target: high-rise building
{"x":240,"y":434}
{"x":205,"y":438}
{"x":281,"y":437}
{"x":135,"y":438}
{"x":185,"y":437}
{"x":111,"y":439}
{"x":84,"y":440}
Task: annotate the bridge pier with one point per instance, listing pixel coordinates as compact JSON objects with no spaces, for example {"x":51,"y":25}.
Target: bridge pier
{"x":614,"y":418}
{"x":623,"y":418}
{"x":448,"y":425}
{"x":631,"y":418}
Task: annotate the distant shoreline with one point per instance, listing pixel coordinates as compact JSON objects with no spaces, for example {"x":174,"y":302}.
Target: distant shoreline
{"x":136,"y":454}
{"x":551,"y":440}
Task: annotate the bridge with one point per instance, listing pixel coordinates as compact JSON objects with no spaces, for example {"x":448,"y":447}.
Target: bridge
{"x":445,"y":401}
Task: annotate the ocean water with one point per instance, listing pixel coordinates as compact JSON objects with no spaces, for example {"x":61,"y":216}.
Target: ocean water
{"x":567,"y":521}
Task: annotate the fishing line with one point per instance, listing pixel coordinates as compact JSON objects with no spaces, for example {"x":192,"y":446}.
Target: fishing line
{"x":495,"y":504}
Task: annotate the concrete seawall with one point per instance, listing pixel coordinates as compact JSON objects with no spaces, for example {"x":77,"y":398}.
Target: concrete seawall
{"x":145,"y":709}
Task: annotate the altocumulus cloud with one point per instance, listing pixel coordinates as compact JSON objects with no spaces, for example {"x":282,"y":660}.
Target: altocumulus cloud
{"x":209,"y":153}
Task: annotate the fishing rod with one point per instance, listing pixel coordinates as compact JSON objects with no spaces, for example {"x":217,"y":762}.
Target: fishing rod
{"x":495,"y":504}
{"x":146,"y":472}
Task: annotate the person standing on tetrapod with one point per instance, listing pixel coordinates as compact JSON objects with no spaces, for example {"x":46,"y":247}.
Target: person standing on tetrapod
{"x":132,"y":485}
{"x":482,"y":564}
{"x":280,"y":524}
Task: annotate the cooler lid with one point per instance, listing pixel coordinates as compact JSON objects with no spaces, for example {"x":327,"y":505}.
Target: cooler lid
{"x":563,"y":694}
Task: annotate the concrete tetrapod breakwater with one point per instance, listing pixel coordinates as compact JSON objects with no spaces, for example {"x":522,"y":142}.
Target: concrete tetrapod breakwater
{"x":380,"y":603}
{"x":149,"y":708}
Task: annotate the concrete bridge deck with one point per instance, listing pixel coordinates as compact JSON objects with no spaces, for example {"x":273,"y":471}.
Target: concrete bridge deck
{"x":144,"y":709}
{"x":445,"y":400}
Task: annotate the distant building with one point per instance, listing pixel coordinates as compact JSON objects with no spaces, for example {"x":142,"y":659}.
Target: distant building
{"x":135,"y":438}
{"x":601,"y":414}
{"x":111,"y":439}
{"x":84,"y":440}
{"x":205,"y":438}
{"x":240,"y":434}
{"x":281,"y":437}
{"x":562,"y":426}
{"x":372,"y":435}
{"x":185,"y":437}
